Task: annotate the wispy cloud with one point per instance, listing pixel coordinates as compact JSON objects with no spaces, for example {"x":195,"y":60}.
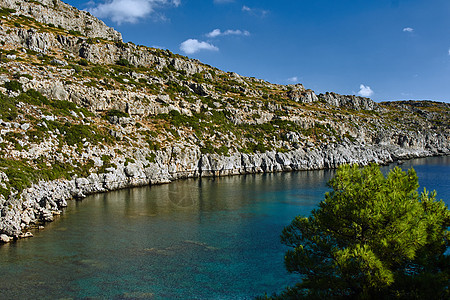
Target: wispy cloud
{"x":255,"y":11}
{"x":214,"y":33}
{"x":293,"y":79}
{"x":408,"y":29}
{"x":406,"y":94}
{"x":365,"y":91}
{"x":218,"y":32}
{"x":128,"y":11}
{"x":192,"y":46}
{"x":448,"y":51}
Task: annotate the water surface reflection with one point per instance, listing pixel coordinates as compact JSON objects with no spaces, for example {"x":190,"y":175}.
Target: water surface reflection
{"x":196,"y":239}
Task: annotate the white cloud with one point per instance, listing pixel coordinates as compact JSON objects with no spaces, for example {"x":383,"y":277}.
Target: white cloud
{"x":236,"y":32}
{"x":448,"y":51}
{"x":214,"y":33}
{"x":129,"y":11}
{"x":365,"y":91}
{"x":192,"y":46}
{"x":408,"y":29}
{"x":255,"y":11}
{"x":293,"y":79}
{"x":218,"y":32}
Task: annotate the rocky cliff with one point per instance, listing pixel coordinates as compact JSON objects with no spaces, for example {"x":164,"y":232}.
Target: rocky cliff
{"x":81,"y":112}
{"x":62,"y":15}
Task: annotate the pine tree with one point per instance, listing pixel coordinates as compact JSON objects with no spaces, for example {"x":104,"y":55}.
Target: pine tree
{"x":373,"y":237}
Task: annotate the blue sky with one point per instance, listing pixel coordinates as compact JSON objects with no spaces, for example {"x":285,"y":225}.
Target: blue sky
{"x":384,"y":49}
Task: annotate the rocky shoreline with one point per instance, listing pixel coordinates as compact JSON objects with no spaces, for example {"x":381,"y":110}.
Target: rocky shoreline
{"x":41,"y":202}
{"x":82,"y":112}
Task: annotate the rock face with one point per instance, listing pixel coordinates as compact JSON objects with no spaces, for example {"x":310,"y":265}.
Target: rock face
{"x":61,"y":14}
{"x":351,"y":102}
{"x":43,"y":200}
{"x":299,"y":94}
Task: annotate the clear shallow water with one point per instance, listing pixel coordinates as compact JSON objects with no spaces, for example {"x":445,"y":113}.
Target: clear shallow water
{"x":192,"y":239}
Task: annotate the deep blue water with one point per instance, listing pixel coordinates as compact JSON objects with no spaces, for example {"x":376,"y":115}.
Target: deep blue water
{"x":192,"y":239}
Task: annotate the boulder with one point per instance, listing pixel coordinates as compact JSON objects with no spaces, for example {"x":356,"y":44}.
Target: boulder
{"x":4,"y":238}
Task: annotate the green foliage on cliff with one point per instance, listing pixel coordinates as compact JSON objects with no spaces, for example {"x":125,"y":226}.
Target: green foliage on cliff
{"x":8,"y":110}
{"x":123,"y":62}
{"x":83,"y":62}
{"x":78,"y":133}
{"x":22,"y":174}
{"x":6,"y":11}
{"x":373,"y":237}
{"x":13,"y":85}
{"x":33,"y":97}
{"x":116,"y":113}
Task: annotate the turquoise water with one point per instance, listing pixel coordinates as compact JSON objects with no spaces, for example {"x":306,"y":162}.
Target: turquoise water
{"x":192,"y":239}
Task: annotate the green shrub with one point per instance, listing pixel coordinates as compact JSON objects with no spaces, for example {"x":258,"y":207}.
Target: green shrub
{"x":17,"y":76}
{"x":77,"y":68}
{"x":63,"y":105}
{"x":173,"y":87}
{"x":74,"y":32}
{"x":123,"y":62}
{"x":121,"y":45}
{"x":84,"y":170}
{"x":75,"y":134}
{"x":259,"y":147}
{"x":83,"y":62}
{"x":33,"y":97}
{"x":13,"y":85}
{"x":197,"y":77}
{"x":129,"y":161}
{"x":116,"y":113}
{"x":106,"y":164}
{"x":151,"y":158}
{"x":208,"y":148}
{"x":6,"y":11}
{"x":8,"y":108}
{"x":222,"y":150}
{"x":22,"y":174}
{"x":152,"y":145}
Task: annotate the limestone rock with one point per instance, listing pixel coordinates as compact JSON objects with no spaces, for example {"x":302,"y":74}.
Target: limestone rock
{"x":4,"y":238}
{"x":352,"y":102}
{"x":61,"y":14}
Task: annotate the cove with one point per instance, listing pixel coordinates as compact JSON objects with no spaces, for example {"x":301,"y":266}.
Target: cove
{"x":191,"y":239}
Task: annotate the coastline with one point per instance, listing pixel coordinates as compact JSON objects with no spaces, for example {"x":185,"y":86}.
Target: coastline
{"x":43,"y":201}
{"x":87,"y":113}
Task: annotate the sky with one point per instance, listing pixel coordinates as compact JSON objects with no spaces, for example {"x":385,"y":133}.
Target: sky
{"x":382,"y":49}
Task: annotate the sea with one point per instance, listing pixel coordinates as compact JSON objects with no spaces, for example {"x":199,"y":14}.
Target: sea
{"x":191,"y":239}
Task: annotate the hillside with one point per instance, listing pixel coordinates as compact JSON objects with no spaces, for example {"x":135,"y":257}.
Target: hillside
{"x":82,"y":112}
